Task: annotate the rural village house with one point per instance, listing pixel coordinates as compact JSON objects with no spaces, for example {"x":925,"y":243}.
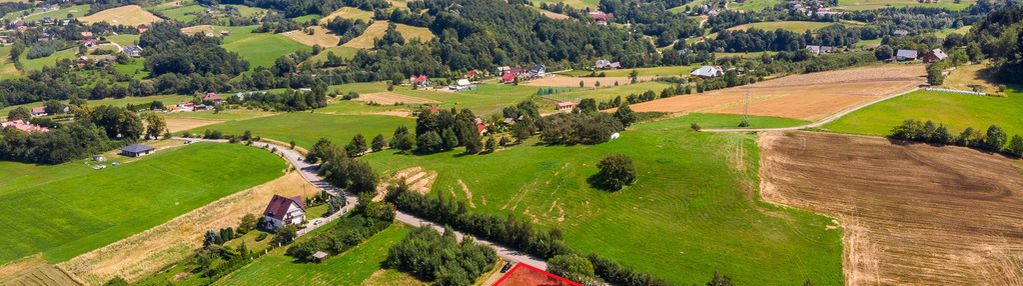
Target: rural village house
{"x":708,"y":72}
{"x":906,"y":55}
{"x":606,"y":64}
{"x":901,"y":33}
{"x":212,"y":96}
{"x":934,"y":56}
{"x":421,"y":80}
{"x":462,"y":84}
{"x":508,"y":77}
{"x":602,"y":18}
{"x":137,"y":150}
{"x":283,"y":211}
{"x":132,"y":51}
{"x":38,"y":111}
{"x":24,"y":126}
{"x":814,"y":49}
{"x":566,"y":107}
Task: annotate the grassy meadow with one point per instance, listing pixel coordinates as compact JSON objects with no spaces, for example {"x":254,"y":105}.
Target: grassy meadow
{"x":69,"y":209}
{"x":878,"y":4}
{"x":692,"y":211}
{"x":794,"y":26}
{"x":957,"y":111}
{"x":654,"y":71}
{"x":377,"y":30}
{"x":166,"y":99}
{"x":270,"y":46}
{"x":305,"y":127}
{"x":353,"y":267}
{"x":349,"y":13}
{"x":709,"y":120}
{"x":76,"y":11}
{"x":753,"y":5}
{"x":608,"y":93}
{"x":38,"y":63}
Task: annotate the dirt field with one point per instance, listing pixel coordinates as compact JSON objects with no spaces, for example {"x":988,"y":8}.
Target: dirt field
{"x":204,"y":29}
{"x":175,"y":125}
{"x":145,"y":253}
{"x":807,"y":96}
{"x":972,"y":77}
{"x":320,"y":36}
{"x":913,"y":214}
{"x":390,"y":98}
{"x":554,"y":16}
{"x":131,"y":15}
{"x":567,"y":81}
{"x":34,"y":270}
{"x":377,"y":30}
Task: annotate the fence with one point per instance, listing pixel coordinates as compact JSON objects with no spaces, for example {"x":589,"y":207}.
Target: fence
{"x":956,"y":91}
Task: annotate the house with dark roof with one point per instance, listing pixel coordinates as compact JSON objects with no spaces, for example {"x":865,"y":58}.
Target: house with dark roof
{"x":283,"y":211}
{"x":934,"y":56}
{"x":132,"y":51}
{"x":606,"y":64}
{"x":906,"y":55}
{"x":39,"y":111}
{"x":137,"y":150}
{"x":901,"y":33}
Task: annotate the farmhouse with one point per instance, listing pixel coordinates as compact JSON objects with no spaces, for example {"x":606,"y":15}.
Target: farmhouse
{"x":708,"y":72}
{"x":283,"y":211}
{"x":480,"y":126}
{"x":934,"y":56}
{"x":421,"y":80}
{"x":473,"y":74}
{"x":89,"y":42}
{"x":814,"y":49}
{"x":24,"y":126}
{"x":901,"y":33}
{"x":132,"y":51}
{"x":538,"y":71}
{"x":606,"y":64}
{"x":462,"y":84}
{"x":212,"y":96}
{"x":906,"y":55}
{"x":137,"y":150}
{"x":602,"y":18}
{"x":566,"y":107}
{"x":508,"y":77}
{"x":39,"y":111}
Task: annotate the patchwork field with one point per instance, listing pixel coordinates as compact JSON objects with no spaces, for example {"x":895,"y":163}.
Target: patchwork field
{"x":753,"y":5}
{"x":692,"y":211}
{"x":957,"y":111}
{"x":343,"y":52}
{"x":877,"y":4}
{"x":357,"y":266}
{"x":75,"y":209}
{"x":184,"y":13}
{"x":808,"y":97}
{"x":305,"y":127}
{"x":608,"y":93}
{"x":130,"y":15}
{"x":320,"y":36}
{"x":377,"y":29}
{"x":912,"y":214}
{"x":145,"y":253}
{"x":271,"y":46}
{"x":794,"y":26}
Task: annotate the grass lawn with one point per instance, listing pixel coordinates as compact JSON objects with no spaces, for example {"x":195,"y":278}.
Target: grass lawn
{"x":355,"y":107}
{"x":166,"y":99}
{"x":877,"y":4}
{"x":609,"y":93}
{"x":305,"y":127}
{"x":753,"y":5}
{"x":343,"y":52}
{"x":7,"y":68}
{"x":38,"y":63}
{"x":578,"y":4}
{"x":76,"y":11}
{"x":306,"y":18}
{"x":794,"y":26}
{"x":76,"y":209}
{"x":185,"y":13}
{"x":654,"y":71}
{"x":708,"y":120}
{"x":377,"y":30}
{"x":226,"y":115}
{"x":260,"y":49}
{"x":349,"y":13}
{"x":957,"y":111}
{"x":692,"y":211}
{"x":248,"y":11}
{"x":349,"y":268}
{"x":485,"y":100}
{"x":124,"y":40}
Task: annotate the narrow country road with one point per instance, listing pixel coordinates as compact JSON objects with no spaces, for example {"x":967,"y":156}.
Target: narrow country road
{"x":309,"y":172}
{"x":820,"y":123}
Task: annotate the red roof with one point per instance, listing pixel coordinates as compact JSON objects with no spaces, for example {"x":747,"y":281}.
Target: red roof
{"x":508,"y":77}
{"x":143,"y":30}
{"x":567,"y":104}
{"x":279,"y":205}
{"x":472,"y":74}
{"x":433,"y":109}
{"x":21,"y":125}
{"x":480,"y":127}
{"x":602,"y":15}
{"x":420,"y":79}
{"x":212,"y":96}
{"x":524,"y":275}
{"x":38,"y":110}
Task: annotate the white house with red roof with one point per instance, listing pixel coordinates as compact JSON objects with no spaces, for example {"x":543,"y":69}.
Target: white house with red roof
{"x":420,"y":80}
{"x":283,"y":211}
{"x":24,"y":126}
{"x":566,"y":107}
{"x":602,"y":18}
{"x":39,"y":111}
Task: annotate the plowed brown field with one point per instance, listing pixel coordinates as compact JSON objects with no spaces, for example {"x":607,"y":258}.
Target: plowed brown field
{"x":809,"y":97}
{"x":913,"y":214}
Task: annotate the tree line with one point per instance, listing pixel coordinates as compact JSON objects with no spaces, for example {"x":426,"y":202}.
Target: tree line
{"x":441,"y":259}
{"x":993,"y":140}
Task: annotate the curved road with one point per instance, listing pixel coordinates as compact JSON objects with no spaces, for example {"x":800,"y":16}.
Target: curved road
{"x":820,"y":123}
{"x":309,"y":172}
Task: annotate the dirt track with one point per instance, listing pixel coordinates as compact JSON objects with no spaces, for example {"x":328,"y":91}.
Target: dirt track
{"x":809,"y":97}
{"x":912,"y":214}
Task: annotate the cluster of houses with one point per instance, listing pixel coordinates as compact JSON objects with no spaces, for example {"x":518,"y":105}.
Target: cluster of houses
{"x":931,"y":56}
{"x":813,"y":7}
{"x":510,"y":74}
{"x":816,"y":50}
{"x":23,"y":126}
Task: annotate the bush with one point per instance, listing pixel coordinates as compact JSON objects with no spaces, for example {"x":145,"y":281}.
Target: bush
{"x":432,"y":257}
{"x":261,"y":236}
{"x":571,"y":266}
{"x":616,"y":171}
{"x":345,"y":234}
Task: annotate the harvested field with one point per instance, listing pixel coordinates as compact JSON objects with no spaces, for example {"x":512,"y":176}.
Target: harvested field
{"x":913,"y":214}
{"x":34,"y":270}
{"x":203,"y":29}
{"x":175,"y":125}
{"x":320,"y":36}
{"x":348,"y":13}
{"x":131,"y":15}
{"x":554,"y":16}
{"x":145,"y":253}
{"x":390,"y":98}
{"x":809,"y":97}
{"x":565,"y":81}
{"x":377,"y":30}
{"x":979,"y":77}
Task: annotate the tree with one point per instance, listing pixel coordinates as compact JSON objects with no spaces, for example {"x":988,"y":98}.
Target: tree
{"x":379,"y":143}
{"x":522,"y":130}
{"x":362,"y":177}
{"x":155,"y":125}
{"x":625,"y":115}
{"x":633,"y":76}
{"x":116,"y":281}
{"x":211,"y":238}
{"x":936,"y":73}
{"x":356,"y":146}
{"x":941,"y":135}
{"x":247,"y":224}
{"x":571,"y":266}
{"x":504,"y":141}
{"x":883,"y":52}
{"x":402,"y":139}
{"x":19,"y":113}
{"x":319,"y":151}
{"x":491,"y":144}
{"x":335,"y":204}
{"x":720,"y":280}
{"x":247,"y":135}
{"x":695,"y":126}
{"x":54,"y":107}
{"x":587,"y":105}
{"x":616,"y":171}
{"x":285,"y":235}
{"x":76,"y":101}
{"x":450,"y":139}
{"x":995,"y":138}
{"x":429,"y":142}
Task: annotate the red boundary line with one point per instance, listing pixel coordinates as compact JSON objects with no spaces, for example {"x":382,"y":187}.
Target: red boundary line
{"x":545,"y":273}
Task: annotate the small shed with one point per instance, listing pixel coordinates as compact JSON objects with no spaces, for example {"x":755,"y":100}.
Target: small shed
{"x":319,"y":256}
{"x":137,"y":150}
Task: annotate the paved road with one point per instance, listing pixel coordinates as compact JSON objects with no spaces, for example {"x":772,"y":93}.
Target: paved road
{"x":308,"y":171}
{"x":827,"y":120}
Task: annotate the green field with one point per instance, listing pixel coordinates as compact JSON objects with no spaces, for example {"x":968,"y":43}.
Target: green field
{"x":708,"y":121}
{"x":247,"y":11}
{"x":7,"y":68}
{"x":166,"y":99}
{"x":306,"y":18}
{"x":226,"y":115}
{"x":691,"y":212}
{"x":76,"y":11}
{"x":654,"y":71}
{"x":794,"y":26}
{"x":185,"y":13}
{"x":578,"y":4}
{"x":753,"y":5}
{"x":957,"y":111}
{"x":69,"y":209}
{"x":608,"y":93}
{"x":125,"y":39}
{"x":486,"y":99}
{"x":877,"y":4}
{"x":260,"y":49}
{"x":352,"y":267}
{"x":343,"y":52}
{"x":305,"y":127}
{"x":38,"y":63}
